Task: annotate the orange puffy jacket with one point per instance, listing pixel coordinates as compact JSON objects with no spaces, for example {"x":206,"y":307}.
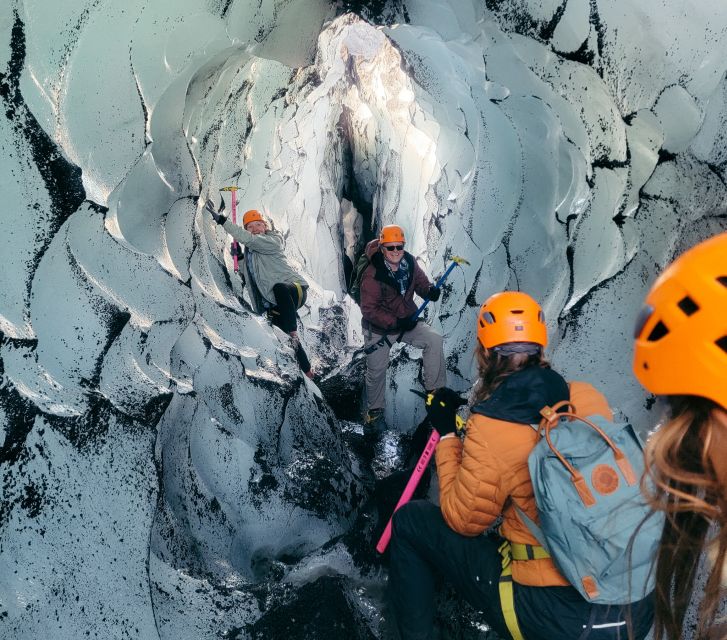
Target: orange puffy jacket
{"x":481,"y":476}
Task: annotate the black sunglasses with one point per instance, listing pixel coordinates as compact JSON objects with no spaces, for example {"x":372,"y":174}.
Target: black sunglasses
{"x":396,"y":247}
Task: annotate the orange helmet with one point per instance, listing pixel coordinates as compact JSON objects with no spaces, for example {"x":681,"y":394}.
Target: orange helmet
{"x":681,"y":333}
{"x":252,"y":216}
{"x":511,"y":316}
{"x":391,"y":233}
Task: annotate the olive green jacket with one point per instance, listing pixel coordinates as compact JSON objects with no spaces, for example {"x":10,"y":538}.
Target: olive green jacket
{"x":269,"y":263}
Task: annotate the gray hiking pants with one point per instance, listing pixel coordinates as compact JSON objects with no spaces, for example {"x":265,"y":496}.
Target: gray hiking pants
{"x":423,"y":337}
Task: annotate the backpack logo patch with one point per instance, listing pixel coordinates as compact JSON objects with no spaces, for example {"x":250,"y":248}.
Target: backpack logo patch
{"x":604,"y":479}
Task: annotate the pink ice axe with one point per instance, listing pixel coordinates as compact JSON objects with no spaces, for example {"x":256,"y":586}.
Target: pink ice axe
{"x":411,"y":486}
{"x":416,"y":476}
{"x":233,"y":217}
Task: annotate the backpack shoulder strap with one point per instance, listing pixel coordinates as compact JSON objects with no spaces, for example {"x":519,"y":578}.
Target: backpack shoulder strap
{"x":527,"y":520}
{"x":532,"y":527}
{"x":357,"y":276}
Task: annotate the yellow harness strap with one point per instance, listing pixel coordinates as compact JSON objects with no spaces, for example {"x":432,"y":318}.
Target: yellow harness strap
{"x":300,"y":293}
{"x":520,"y":551}
{"x":507,"y":601}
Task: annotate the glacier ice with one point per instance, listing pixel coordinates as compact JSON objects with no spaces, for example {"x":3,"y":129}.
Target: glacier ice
{"x":167,"y":471}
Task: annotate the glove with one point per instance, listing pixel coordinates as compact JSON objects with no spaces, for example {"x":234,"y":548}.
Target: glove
{"x":406,"y":324}
{"x":236,"y":250}
{"x":219,"y":218}
{"x":434,"y":293}
{"x":442,"y":408}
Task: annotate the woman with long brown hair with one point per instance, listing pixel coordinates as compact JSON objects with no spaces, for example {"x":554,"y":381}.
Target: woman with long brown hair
{"x":681,"y":352}
{"x":484,"y":477}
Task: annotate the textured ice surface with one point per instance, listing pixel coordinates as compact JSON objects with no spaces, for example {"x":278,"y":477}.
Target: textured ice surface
{"x":167,"y":471}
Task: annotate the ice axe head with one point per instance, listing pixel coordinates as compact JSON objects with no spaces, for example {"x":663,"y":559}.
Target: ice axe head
{"x":459,"y":260}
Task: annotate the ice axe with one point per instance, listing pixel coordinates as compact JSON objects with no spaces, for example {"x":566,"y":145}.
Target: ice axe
{"x":210,"y":206}
{"x":456,"y":260}
{"x":233,"y":217}
{"x":415,"y":477}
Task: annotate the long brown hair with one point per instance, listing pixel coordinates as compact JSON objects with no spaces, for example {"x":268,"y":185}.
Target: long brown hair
{"x":682,"y":465}
{"x":494,"y":368}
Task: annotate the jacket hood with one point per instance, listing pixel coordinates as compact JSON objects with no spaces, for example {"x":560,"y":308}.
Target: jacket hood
{"x":522,"y":395}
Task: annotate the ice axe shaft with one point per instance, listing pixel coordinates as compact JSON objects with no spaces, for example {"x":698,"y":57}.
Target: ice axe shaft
{"x":410,"y":487}
{"x":455,"y":261}
{"x":416,"y":475}
{"x":233,"y":217}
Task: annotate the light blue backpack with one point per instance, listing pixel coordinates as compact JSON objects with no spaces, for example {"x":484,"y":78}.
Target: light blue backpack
{"x":594,"y":521}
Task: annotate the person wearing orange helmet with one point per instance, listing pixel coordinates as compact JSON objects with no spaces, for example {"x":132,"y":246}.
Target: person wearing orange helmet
{"x":275,"y":286}
{"x":680,"y":352}
{"x":388,"y":285}
{"x":484,"y":480}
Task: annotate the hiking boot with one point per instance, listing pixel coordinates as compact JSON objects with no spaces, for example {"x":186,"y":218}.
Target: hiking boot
{"x":374,"y":424}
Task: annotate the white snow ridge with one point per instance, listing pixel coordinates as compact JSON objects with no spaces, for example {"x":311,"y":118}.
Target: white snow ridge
{"x":167,"y":471}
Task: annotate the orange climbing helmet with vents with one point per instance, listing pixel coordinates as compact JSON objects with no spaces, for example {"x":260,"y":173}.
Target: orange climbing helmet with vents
{"x":391,"y":233}
{"x":511,"y":316}
{"x":253,"y":215}
{"x":681,"y":332}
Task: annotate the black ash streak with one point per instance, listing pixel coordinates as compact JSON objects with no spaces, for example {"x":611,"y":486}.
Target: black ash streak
{"x":510,"y":265}
{"x":719,"y":172}
{"x":62,"y":179}
{"x":19,"y":414}
{"x":147,"y":123}
{"x":570,"y":318}
{"x":599,"y":26}
{"x":582,"y":55}
{"x":516,"y":19}
{"x":548,"y":29}
{"x":376,"y":12}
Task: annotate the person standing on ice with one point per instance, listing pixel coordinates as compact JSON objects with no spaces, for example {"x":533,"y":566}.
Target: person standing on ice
{"x":485,"y":477}
{"x":680,"y":352}
{"x":275,"y":287}
{"x":388,"y":285}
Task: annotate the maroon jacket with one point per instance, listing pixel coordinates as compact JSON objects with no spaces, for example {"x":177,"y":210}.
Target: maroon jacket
{"x":381,"y":303}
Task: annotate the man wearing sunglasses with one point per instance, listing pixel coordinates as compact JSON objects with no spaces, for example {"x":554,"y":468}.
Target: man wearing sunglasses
{"x":388,"y":286}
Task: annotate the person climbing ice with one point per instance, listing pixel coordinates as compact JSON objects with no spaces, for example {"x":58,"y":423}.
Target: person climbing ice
{"x":388,"y":285}
{"x":275,"y":287}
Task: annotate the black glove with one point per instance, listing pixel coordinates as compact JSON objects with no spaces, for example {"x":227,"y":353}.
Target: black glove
{"x":236,"y":250}
{"x":406,"y":324}
{"x":442,"y":408}
{"x":218,"y":217}
{"x":434,"y":293}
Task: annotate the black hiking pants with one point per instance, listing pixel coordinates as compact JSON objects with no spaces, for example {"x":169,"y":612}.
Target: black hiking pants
{"x":423,"y":547}
{"x":288,"y":299}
